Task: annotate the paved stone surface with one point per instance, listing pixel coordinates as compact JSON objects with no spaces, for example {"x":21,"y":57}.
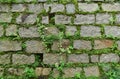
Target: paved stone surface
{"x":5,"y":17}
{"x":117,"y":18}
{"x":11,"y":30}
{"x":118,"y":43}
{"x":94,"y":58}
{"x":18,"y":7}
{"x":4,"y":8}
{"x":16,"y":71}
{"x":45,"y":20}
{"x":5,"y":59}
{"x":1,"y":71}
{"x":70,"y":30}
{"x":1,"y":31}
{"x":70,"y":8}
{"x":56,"y":73}
{"x":51,"y":31}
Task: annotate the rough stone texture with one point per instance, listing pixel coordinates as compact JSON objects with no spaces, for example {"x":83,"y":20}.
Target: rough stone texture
{"x":49,"y":58}
{"x":111,"y":7}
{"x":111,"y":57}
{"x":47,"y":7}
{"x":88,"y":7}
{"x":118,"y":43}
{"x":26,"y":19}
{"x":78,"y":58}
{"x":38,"y":71}
{"x":103,"y":18}
{"x":94,"y":58}
{"x":7,"y":45}
{"x":1,"y":31}
{"x":5,"y":59}
{"x":11,"y":30}
{"x":101,"y":44}
{"x":46,"y":71}
{"x":51,"y":31}
{"x":45,"y":20}
{"x":117,"y":19}
{"x":34,"y":46}
{"x":70,"y":30}
{"x":90,"y":31}
{"x":1,"y":71}
{"x":84,"y":19}
{"x":55,"y":46}
{"x":20,"y":59}
{"x":112,"y":31}
{"x":92,"y":71}
{"x":15,"y":71}
{"x":62,"y":19}
{"x":42,"y":0}
{"x":4,"y":8}
{"x":55,"y":73}
{"x":70,"y":8}
{"x":30,"y":32}
{"x":5,"y":17}
{"x":82,"y":44}
{"x":35,"y":8}
{"x":18,"y":7}
{"x":71,"y":72}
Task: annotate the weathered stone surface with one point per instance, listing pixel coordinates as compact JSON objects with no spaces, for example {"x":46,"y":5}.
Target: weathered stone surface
{"x":46,"y":71}
{"x":45,"y":20}
{"x":42,"y":0}
{"x":5,"y":59}
{"x":47,"y":7}
{"x":88,"y":7}
{"x":112,"y":31}
{"x":71,"y":72}
{"x":92,"y":71}
{"x":5,"y":17}
{"x":16,"y":71}
{"x":4,"y":8}
{"x":38,"y":71}
{"x":35,"y":8}
{"x":78,"y":58}
{"x":51,"y":31}
{"x":111,"y":57}
{"x":103,"y":18}
{"x":94,"y":58}
{"x":1,"y":71}
{"x":118,"y":43}
{"x":50,"y":58}
{"x":111,"y":7}
{"x":84,"y":19}
{"x":1,"y":31}
{"x":70,"y":30}
{"x":55,"y":46}
{"x":117,"y":19}
{"x":26,"y":19}
{"x":18,"y":7}
{"x":30,"y":32}
{"x":55,"y":73}
{"x":19,"y":59}
{"x":82,"y":44}
{"x":7,"y":45}
{"x":101,"y":44}
{"x":34,"y":46}
{"x":90,"y":31}
{"x":11,"y":30}
{"x":62,"y":19}
{"x":70,"y":8}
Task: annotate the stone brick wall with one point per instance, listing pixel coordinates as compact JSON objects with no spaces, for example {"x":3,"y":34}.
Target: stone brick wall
{"x":59,"y":39}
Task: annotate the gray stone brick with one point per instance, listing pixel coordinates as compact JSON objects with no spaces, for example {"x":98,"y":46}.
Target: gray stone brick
{"x":111,"y":57}
{"x":118,"y":43}
{"x":112,"y":31}
{"x":34,"y":46}
{"x":51,"y":31}
{"x":28,"y":32}
{"x":35,"y":8}
{"x":82,"y":44}
{"x":5,"y":59}
{"x":94,"y":58}
{"x":16,"y":71}
{"x":70,"y":8}
{"x":101,"y":44}
{"x":18,"y":8}
{"x":42,"y":0}
{"x":19,"y":59}
{"x":7,"y":45}
{"x":78,"y":58}
{"x":117,"y":18}
{"x":47,"y":7}
{"x":103,"y":18}
{"x":88,"y":7}
{"x":84,"y":19}
{"x":56,"y":73}
{"x":26,"y":19}
{"x":1,"y":31}
{"x":5,"y":17}
{"x":71,"y":72}
{"x":11,"y":30}
{"x":4,"y":8}
{"x":50,"y":58}
{"x":62,"y":19}
{"x":111,"y":7}
{"x":70,"y":30}
{"x":45,"y":20}
{"x":92,"y":71}
{"x":90,"y":31}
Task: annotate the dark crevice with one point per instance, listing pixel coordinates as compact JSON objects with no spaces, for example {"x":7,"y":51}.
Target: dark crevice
{"x":43,"y":77}
{"x":51,"y":18}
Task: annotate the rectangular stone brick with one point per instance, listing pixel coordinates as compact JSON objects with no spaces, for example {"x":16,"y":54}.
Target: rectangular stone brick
{"x":5,"y":17}
{"x":118,"y":43}
{"x":18,"y":7}
{"x":15,"y":71}
{"x":94,"y":58}
{"x":62,"y":19}
{"x":70,"y":8}
{"x":88,"y":7}
{"x":51,"y":31}
{"x":5,"y":59}
{"x":52,"y":59}
{"x":82,"y":44}
{"x":11,"y":30}
{"x":30,"y":32}
{"x":117,"y":19}
{"x":45,"y":20}
{"x":84,"y":19}
{"x":4,"y":8}
{"x":90,"y":31}
{"x":1,"y":30}
{"x":78,"y":58}
{"x":70,"y":30}
{"x":7,"y":45}
{"x":20,"y":59}
{"x":112,"y":31}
